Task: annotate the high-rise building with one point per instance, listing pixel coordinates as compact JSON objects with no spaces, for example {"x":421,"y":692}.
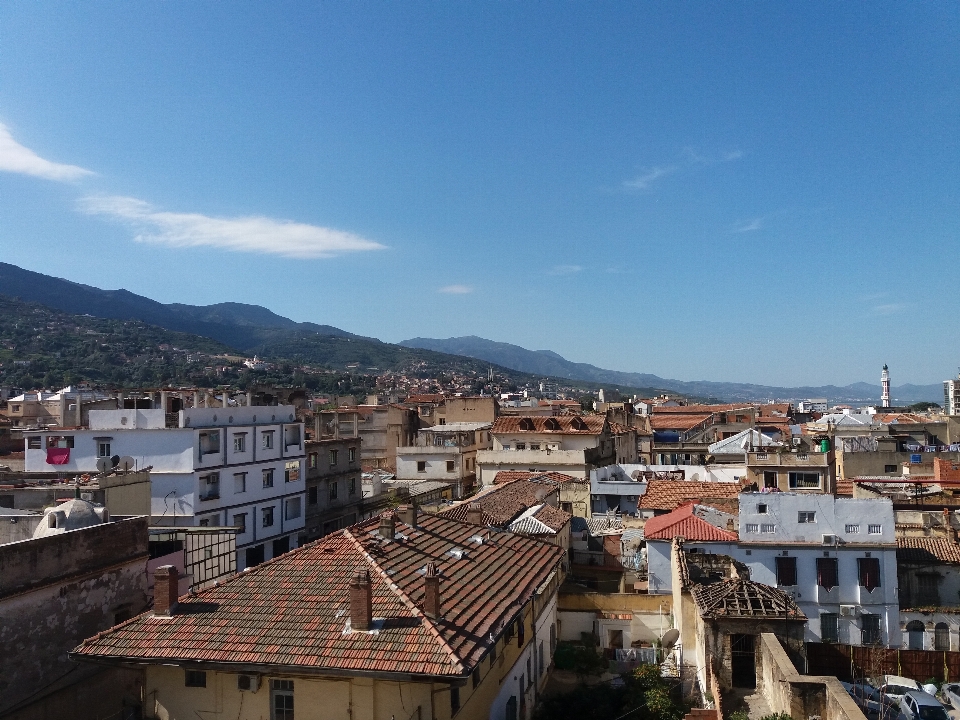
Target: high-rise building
{"x":885,"y":385}
{"x":951,"y":396}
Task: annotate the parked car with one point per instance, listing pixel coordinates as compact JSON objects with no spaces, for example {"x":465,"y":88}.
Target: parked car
{"x":874,"y":705}
{"x":895,"y":686}
{"x":951,"y":691}
{"x":918,"y":705}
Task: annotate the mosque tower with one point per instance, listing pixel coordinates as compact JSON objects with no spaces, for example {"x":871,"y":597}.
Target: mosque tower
{"x":885,"y":385}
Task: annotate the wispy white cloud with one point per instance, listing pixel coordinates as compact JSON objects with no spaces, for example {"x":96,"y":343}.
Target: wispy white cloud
{"x":16,"y":158}
{"x":733,"y":155}
{"x":244,"y":234}
{"x":888,"y":308}
{"x":564,"y":270}
{"x":456,"y":289}
{"x":648,"y":177}
{"x":755,"y":224}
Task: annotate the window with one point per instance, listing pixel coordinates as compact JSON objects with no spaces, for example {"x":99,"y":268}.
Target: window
{"x":334,"y":457}
{"x":266,"y":439}
{"x":240,"y":442}
{"x":291,"y":435}
{"x":268,"y":478}
{"x":334,"y":489}
{"x":450,"y":464}
{"x":240,"y":523}
{"x":239,"y":482}
{"x":540,"y":660}
{"x":770,"y":479}
{"x":454,"y":700}
{"x":869,"y":629}
{"x":34,"y":442}
{"x":827,"y":573}
{"x":521,"y":446}
{"x":292,"y":511}
{"x":352,"y":486}
{"x":941,"y":637}
{"x":806,"y":516}
{"x":889,"y":468}
{"x":764,"y":528}
{"x":853,"y":528}
{"x":476,"y":676}
{"x":869,"y":573}
{"x":421,"y":465}
{"x":804,"y":480}
{"x":875,"y":529}
{"x":103,"y":449}
{"x":786,"y":571}
{"x":352,"y":455}
{"x":521,"y":628}
{"x":209,"y":442}
{"x":312,"y":495}
{"x":267,"y":517}
{"x":928,"y":589}
{"x":195,"y":678}
{"x":312,"y":460}
{"x":753,"y":528}
{"x":761,"y":509}
{"x":829,"y":627}
{"x":553,"y":638}
{"x":281,"y":699}
{"x":534,"y":446}
{"x":210,"y":486}
{"x":291,"y":472}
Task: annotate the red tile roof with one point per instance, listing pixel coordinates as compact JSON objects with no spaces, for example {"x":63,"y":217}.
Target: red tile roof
{"x":844,"y":488}
{"x":506,"y":476}
{"x":502,"y":504}
{"x":682,"y":522}
{"x":676,"y":421}
{"x":561,"y":424}
{"x":291,"y":612}
{"x":927,"y":551}
{"x":426,"y":398}
{"x":670,"y":494}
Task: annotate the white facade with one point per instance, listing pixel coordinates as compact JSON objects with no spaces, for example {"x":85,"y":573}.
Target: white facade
{"x":240,"y":466}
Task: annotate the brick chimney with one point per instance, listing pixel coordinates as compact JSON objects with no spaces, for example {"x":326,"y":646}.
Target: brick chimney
{"x":388,"y":525}
{"x":361,"y":601}
{"x":474,"y":514}
{"x":408,"y":514}
{"x":431,"y":592}
{"x":165,"y":590}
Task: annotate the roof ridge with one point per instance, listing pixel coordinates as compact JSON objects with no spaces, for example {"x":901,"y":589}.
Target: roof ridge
{"x":404,"y":598}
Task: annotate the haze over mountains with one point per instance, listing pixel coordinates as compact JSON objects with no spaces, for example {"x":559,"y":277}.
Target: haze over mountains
{"x":252,"y":328}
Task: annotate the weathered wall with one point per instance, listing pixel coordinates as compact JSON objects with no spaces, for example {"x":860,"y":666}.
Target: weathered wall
{"x":787,"y":691}
{"x":94,"y":693}
{"x":58,"y":590}
{"x":14,"y":528}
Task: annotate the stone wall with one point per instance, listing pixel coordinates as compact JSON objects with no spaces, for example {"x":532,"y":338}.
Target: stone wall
{"x":800,"y":696}
{"x":55,"y":592}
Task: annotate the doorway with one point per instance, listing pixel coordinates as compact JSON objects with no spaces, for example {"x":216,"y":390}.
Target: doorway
{"x":743,"y":662}
{"x":915,"y":632}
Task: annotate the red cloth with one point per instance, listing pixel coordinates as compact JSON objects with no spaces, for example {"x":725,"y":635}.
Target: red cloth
{"x":58,"y":456}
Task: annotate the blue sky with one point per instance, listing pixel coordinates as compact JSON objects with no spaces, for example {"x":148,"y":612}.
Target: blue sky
{"x":761,"y":192}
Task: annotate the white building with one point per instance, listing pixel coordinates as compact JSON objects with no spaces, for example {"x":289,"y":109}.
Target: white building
{"x":446,"y":452}
{"x":951,"y":396}
{"x":235,"y":466}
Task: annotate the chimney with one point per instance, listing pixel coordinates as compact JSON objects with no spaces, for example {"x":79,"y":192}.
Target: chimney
{"x":474,"y":514}
{"x":361,"y":601}
{"x":408,"y":514}
{"x":431,"y":592}
{"x":388,"y":525}
{"x":165,"y":590}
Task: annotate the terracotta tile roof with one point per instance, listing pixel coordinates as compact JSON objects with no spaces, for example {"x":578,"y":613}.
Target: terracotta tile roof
{"x":844,"y":488}
{"x":670,"y":494}
{"x":426,"y":398}
{"x":506,"y":476}
{"x":502,"y":504}
{"x":553,"y":517}
{"x":543,"y":520}
{"x":618,"y":429}
{"x":682,"y":522}
{"x":676,"y":421}
{"x":561,"y":424}
{"x":927,"y":551}
{"x":291,"y":612}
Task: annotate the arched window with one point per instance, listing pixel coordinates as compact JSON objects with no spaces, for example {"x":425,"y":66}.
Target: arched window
{"x":941,"y":637}
{"x":915,"y":635}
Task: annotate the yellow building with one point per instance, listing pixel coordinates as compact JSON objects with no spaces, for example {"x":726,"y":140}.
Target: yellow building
{"x":409,"y":617}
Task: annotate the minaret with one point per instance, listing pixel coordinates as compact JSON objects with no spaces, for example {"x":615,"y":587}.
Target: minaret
{"x":885,"y":385}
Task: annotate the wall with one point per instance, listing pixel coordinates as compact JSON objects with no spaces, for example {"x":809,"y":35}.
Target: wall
{"x":58,"y":590}
{"x":126,"y":493}
{"x":14,"y":528}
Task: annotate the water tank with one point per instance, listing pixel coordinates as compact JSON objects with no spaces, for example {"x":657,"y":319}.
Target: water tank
{"x":824,"y":446}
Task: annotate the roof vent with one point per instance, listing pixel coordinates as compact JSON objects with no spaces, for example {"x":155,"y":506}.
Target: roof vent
{"x":458,"y":553}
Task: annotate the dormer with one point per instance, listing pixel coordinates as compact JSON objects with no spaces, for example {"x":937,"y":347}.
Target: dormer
{"x":578,"y":423}
{"x":552,"y":424}
{"x":527,"y":424}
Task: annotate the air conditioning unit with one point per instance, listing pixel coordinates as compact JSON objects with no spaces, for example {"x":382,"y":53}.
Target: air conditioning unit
{"x":248,"y":683}
{"x":830,"y":540}
{"x":796,"y":442}
{"x":849,"y":610}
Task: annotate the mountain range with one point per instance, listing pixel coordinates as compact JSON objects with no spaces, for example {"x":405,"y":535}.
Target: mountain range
{"x":252,"y":329}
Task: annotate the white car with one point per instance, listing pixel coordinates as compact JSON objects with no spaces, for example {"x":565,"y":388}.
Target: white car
{"x":895,"y":687}
{"x":951,"y":691}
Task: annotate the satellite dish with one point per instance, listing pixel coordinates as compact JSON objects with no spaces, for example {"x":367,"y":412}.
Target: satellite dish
{"x":670,"y":638}
{"x":103,"y":464}
{"x":114,"y":461}
{"x":126,"y":463}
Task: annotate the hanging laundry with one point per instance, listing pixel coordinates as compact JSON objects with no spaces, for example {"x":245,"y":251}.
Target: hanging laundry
{"x":58,"y":456}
